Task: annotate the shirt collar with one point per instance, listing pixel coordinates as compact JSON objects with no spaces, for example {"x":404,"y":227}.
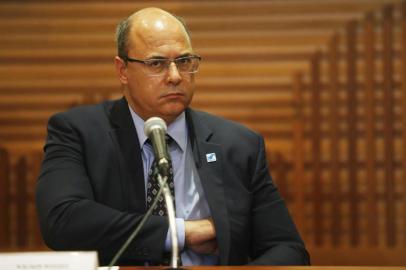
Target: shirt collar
{"x":177,"y":129}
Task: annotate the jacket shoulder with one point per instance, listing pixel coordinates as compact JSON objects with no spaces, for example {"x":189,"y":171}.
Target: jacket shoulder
{"x":85,"y":114}
{"x":221,"y":124}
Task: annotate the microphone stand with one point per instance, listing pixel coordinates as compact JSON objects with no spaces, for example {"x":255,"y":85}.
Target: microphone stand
{"x":164,"y":190}
{"x":172,"y":225}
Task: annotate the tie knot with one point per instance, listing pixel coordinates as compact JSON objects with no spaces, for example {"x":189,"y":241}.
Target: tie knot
{"x":168,"y":140}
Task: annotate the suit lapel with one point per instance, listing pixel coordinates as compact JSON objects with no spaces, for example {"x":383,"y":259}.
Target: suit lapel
{"x":211,"y":177}
{"x":126,"y":140}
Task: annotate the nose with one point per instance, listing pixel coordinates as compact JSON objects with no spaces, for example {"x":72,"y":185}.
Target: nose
{"x":174,"y":76}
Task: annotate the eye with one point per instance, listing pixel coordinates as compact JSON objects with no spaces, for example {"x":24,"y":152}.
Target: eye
{"x":155,"y":63}
{"x":183,"y":61}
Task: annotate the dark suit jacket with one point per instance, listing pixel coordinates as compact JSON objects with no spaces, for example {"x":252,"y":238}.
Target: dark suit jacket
{"x":90,"y":193}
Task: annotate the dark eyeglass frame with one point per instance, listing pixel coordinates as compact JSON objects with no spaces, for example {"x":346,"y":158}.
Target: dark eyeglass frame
{"x":174,"y":60}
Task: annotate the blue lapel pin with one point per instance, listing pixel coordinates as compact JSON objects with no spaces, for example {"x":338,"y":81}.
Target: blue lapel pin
{"x":211,"y":157}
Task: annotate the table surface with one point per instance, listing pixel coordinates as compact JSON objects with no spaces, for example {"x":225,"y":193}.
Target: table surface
{"x":271,"y":268}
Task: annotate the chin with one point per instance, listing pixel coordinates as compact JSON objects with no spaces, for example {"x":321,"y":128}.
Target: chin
{"x":172,"y":112}
{"x":174,"y":108}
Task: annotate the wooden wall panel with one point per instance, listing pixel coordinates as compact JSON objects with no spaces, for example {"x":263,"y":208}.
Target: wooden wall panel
{"x":354,"y":128}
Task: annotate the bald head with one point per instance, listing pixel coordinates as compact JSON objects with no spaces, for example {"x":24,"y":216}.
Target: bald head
{"x":146,"y":25}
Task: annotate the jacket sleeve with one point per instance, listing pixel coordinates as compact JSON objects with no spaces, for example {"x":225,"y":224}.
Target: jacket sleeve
{"x":71,"y":218}
{"x":275,"y":239}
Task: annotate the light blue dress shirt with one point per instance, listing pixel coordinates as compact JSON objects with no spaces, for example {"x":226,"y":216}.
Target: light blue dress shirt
{"x":191,"y":203}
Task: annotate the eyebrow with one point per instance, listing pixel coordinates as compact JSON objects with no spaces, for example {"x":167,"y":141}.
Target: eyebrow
{"x":161,"y":57}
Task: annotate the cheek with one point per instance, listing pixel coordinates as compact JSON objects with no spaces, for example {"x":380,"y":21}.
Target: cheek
{"x":190,"y":86}
{"x":146,"y":89}
{"x":189,"y":81}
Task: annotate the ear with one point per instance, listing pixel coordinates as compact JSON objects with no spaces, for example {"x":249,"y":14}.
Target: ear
{"x":121,"y":69}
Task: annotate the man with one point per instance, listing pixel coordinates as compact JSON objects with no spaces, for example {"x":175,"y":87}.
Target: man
{"x":92,"y":189}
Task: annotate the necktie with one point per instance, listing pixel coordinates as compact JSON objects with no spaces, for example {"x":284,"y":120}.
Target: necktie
{"x":153,"y":189}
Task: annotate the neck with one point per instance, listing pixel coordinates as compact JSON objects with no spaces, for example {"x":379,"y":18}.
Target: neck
{"x":168,"y":119}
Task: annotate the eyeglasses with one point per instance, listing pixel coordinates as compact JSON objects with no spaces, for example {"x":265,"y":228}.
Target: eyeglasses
{"x":158,"y":66}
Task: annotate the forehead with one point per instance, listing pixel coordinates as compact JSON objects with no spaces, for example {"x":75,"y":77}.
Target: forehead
{"x":159,"y":34}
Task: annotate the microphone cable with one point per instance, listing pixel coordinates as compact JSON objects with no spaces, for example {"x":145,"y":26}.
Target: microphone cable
{"x":138,"y":228}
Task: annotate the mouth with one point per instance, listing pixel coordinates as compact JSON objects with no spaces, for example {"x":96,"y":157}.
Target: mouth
{"x":173,"y":95}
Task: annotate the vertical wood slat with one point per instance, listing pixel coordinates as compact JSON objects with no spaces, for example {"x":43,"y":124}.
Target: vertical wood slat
{"x":388,"y":99}
{"x":333,"y":59}
{"x":38,"y":236}
{"x":21,"y":202}
{"x":318,"y":216}
{"x":298,"y":151}
{"x":370,"y":148}
{"x":34,"y":238}
{"x":4,"y":199}
{"x":403,"y":73}
{"x":30,"y":184}
{"x":351,"y":76}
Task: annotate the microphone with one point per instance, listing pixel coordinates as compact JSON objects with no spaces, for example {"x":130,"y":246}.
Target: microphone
{"x":155,"y":130}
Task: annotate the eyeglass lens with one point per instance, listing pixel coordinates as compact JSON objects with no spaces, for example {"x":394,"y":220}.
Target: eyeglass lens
{"x":183,"y":64}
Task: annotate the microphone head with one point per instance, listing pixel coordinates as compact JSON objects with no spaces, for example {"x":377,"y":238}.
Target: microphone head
{"x":154,"y":123}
